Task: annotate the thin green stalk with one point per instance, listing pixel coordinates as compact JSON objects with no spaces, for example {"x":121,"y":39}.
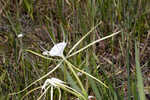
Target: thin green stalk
{"x":86,"y":74}
{"x":90,"y":76}
{"x":76,"y":76}
{"x":44,"y":92}
{"x":83,"y":38}
{"x":30,"y":92}
{"x":33,"y":52}
{"x":72,"y":91}
{"x":106,"y":37}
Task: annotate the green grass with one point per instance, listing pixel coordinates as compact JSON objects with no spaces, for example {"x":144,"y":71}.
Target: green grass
{"x":100,"y":36}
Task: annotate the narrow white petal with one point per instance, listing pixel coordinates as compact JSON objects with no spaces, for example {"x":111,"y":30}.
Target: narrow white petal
{"x":58,"y":49}
{"x":53,"y":82}
{"x":58,"y":81}
{"x":46,"y":83}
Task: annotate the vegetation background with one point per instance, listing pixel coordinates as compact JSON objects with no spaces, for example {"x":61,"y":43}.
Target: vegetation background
{"x":122,"y":62}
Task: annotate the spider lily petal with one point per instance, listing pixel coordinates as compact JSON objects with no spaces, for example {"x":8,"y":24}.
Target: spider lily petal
{"x":57,"y":50}
{"x":53,"y":82}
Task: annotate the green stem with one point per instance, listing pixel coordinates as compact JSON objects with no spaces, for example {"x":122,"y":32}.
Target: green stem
{"x":76,"y":76}
{"x":90,"y":76}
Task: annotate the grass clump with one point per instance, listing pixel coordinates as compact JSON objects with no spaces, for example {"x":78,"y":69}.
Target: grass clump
{"x":101,"y":59}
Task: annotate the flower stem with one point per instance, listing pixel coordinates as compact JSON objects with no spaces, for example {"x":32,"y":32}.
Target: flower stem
{"x":76,"y":76}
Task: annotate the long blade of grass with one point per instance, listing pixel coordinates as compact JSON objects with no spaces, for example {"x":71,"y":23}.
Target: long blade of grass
{"x":12,"y":24}
{"x":83,"y":38}
{"x":106,"y":37}
{"x":139,"y":74}
{"x":28,"y":5}
{"x":128,"y":71}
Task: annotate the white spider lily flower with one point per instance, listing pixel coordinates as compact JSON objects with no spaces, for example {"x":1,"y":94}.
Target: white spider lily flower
{"x":57,"y":50}
{"x":20,"y":35}
{"x":59,"y":84}
{"x":53,"y":82}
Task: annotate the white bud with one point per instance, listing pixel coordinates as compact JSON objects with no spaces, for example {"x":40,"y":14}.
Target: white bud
{"x":20,"y":35}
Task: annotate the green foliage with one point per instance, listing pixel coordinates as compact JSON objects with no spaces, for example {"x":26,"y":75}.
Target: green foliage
{"x":100,"y":37}
{"x":140,"y":85}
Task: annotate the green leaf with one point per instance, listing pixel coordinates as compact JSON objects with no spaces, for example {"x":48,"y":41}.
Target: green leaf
{"x":139,"y":74}
{"x":72,"y":82}
{"x":94,"y":86}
